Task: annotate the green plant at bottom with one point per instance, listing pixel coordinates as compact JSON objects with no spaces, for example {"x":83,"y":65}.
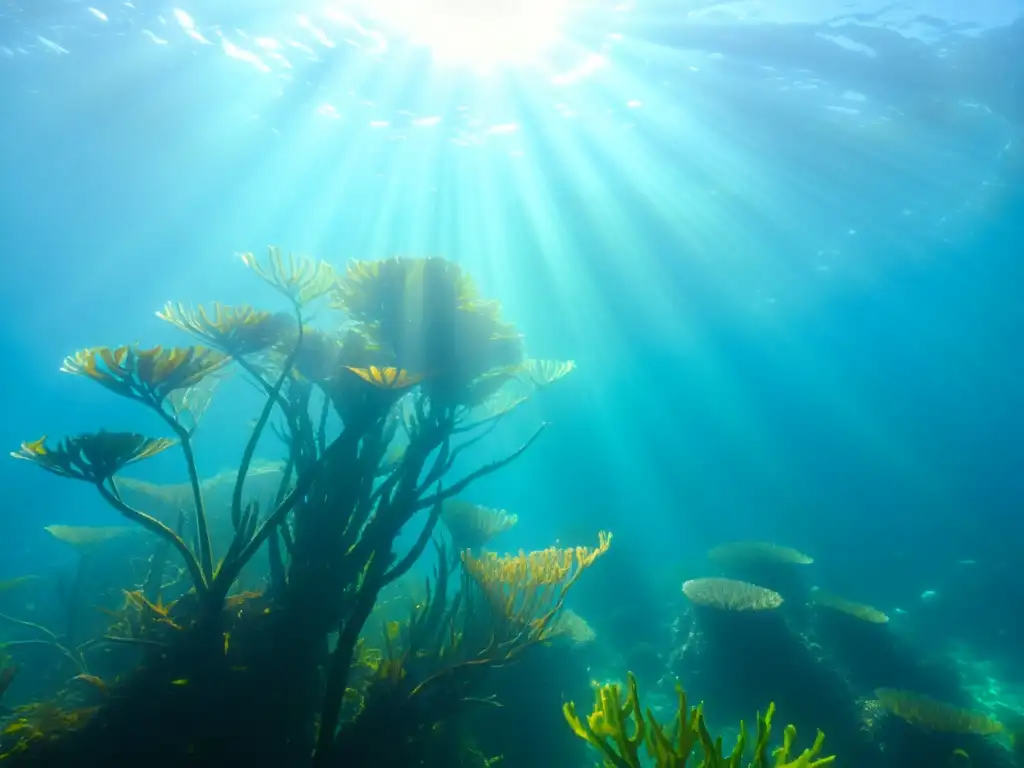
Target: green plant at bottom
{"x":620,"y":730}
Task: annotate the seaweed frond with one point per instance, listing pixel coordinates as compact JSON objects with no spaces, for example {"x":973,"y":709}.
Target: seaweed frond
{"x":619,"y":728}
{"x":387,"y":378}
{"x":301,"y":279}
{"x":426,"y":315}
{"x":92,"y":457}
{"x":147,"y":375}
{"x":235,"y":330}
{"x":528,"y":590}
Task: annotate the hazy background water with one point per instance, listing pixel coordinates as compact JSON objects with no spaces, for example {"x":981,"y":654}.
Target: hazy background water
{"x":782,"y":241}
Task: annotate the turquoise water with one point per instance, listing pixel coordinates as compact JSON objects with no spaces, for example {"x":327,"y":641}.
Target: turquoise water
{"x":781,"y":242}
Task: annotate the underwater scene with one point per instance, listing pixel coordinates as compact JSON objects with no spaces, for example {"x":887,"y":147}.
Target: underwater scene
{"x":517,"y":383}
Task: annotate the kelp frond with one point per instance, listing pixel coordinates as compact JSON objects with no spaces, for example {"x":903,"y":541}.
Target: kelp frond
{"x":425,"y":315}
{"x":370,"y":290}
{"x":543,"y":373}
{"x":301,"y":279}
{"x":96,"y":458}
{"x":235,"y":330}
{"x":387,"y":378}
{"x":147,"y":375}
{"x":92,"y":457}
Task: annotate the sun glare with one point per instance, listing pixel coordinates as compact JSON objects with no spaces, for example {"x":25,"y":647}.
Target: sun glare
{"x":480,"y":34}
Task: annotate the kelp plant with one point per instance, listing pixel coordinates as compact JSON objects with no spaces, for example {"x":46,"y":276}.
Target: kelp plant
{"x":434,"y":665}
{"x":377,"y":408}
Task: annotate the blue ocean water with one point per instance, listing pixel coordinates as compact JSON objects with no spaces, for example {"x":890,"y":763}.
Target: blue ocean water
{"x":781,"y":241}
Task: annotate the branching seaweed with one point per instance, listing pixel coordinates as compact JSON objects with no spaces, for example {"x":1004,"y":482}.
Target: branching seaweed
{"x":622,"y":732}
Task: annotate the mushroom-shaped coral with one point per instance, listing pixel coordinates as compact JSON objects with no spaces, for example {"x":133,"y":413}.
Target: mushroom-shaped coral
{"x":731,"y":595}
{"x":472,"y":526}
{"x":84,"y":538}
{"x":931,"y":714}
{"x":761,"y":562}
{"x":573,"y":626}
{"x":167,"y":500}
{"x":747,"y":553}
{"x":92,"y":457}
{"x":859,"y":611}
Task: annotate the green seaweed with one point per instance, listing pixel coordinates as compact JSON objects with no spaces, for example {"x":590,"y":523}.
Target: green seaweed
{"x":621,"y":730}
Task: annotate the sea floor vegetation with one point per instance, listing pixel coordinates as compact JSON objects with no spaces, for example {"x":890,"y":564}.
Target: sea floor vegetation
{"x":278,"y":614}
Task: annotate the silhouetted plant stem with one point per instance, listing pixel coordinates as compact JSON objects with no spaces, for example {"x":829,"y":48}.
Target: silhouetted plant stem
{"x":406,"y":563}
{"x":487,"y":469}
{"x":273,"y":395}
{"x":202,"y":526}
{"x":230,"y":569}
{"x":278,"y":575}
{"x":155,"y":580}
{"x":156,"y":527}
{"x":341,"y":660}
{"x":51,"y":641}
{"x":74,"y":595}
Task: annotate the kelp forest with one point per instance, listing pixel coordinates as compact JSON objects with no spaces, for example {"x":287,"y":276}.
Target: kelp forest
{"x":275,"y":618}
